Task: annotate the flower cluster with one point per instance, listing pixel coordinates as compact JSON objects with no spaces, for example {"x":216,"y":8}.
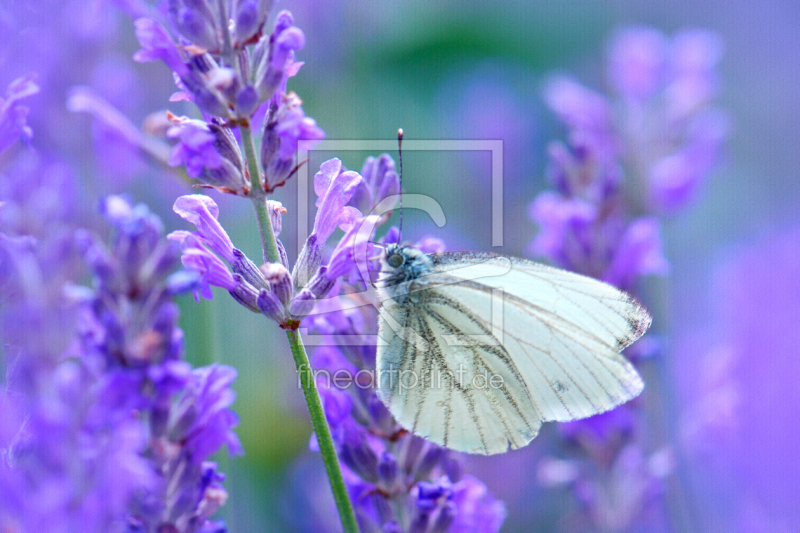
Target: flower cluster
{"x":645,"y":154}
{"x":128,"y":333}
{"x":109,"y":430}
{"x":272,"y":289}
{"x":649,"y":151}
{"x":225,"y":64}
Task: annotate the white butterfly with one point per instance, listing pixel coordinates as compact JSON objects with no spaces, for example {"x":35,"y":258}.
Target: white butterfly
{"x":480,"y":349}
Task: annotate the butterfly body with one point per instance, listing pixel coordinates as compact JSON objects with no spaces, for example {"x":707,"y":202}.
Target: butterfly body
{"x":482,"y":348}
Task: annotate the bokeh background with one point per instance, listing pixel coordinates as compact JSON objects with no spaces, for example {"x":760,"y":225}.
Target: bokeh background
{"x":729,"y":310}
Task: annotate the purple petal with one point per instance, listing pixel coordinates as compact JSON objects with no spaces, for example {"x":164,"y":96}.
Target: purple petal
{"x":157,"y":45}
{"x":338,"y":188}
{"x":202,"y":211}
{"x":637,"y":62}
{"x":640,"y":253}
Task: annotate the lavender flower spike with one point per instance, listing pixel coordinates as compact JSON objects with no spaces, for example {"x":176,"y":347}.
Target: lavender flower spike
{"x":197,"y":21}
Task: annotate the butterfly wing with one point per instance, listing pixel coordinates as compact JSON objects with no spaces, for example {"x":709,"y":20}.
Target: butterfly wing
{"x":553,"y":357}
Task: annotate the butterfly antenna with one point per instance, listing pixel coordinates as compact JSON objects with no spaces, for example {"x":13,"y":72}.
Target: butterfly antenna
{"x":400,"y":157}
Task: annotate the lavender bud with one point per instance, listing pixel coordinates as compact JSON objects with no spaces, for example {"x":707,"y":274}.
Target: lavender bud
{"x":283,"y":254}
{"x":445,"y":518}
{"x":281,"y":54}
{"x":388,"y":471}
{"x":247,"y":100}
{"x":412,"y":450}
{"x":320,"y":285}
{"x":357,"y":454}
{"x":249,"y":271}
{"x":210,"y":153}
{"x":283,"y":21}
{"x":195,"y":20}
{"x":286,"y":124}
{"x":245,"y":294}
{"x":245,"y":65}
{"x":302,"y":304}
{"x":205,"y":96}
{"x":308,"y":262}
{"x":271,"y":306}
{"x":429,"y":461}
{"x":279,"y":279}
{"x":250,"y":18}
{"x":276,"y":212}
{"x":380,"y":415}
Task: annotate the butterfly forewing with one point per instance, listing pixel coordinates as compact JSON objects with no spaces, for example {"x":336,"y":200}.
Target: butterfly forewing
{"x":600,"y":309}
{"x":552,"y":355}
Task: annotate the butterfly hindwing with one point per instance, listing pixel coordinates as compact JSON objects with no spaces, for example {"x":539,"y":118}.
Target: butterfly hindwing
{"x":444,"y":392}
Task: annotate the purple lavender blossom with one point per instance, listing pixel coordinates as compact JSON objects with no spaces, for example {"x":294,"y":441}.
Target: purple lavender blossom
{"x":334,"y":188}
{"x":647,"y":152}
{"x":380,"y":180}
{"x":271,"y":290}
{"x":87,"y":437}
{"x":210,"y":153}
{"x":284,"y":126}
{"x":273,"y":57}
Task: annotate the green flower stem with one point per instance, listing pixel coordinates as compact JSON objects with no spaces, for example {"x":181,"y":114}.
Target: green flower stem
{"x":323,"y":432}
{"x":318,"y":420}
{"x":259,"y":197}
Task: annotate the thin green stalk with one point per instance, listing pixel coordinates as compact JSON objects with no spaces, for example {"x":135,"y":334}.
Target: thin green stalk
{"x":323,"y":433}
{"x":318,"y":420}
{"x":257,"y":194}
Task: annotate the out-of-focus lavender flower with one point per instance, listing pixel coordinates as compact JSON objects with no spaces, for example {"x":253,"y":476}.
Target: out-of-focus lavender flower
{"x":666,"y":120}
{"x":84,"y":99}
{"x":129,"y":335}
{"x":737,"y":376}
{"x":273,"y":57}
{"x":625,"y":161}
{"x":110,"y":432}
{"x":13,"y":124}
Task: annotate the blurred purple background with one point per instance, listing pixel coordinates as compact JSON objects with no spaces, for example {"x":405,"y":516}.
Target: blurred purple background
{"x":727,"y":397}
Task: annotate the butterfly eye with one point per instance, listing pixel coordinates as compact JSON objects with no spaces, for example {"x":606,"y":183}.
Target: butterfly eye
{"x":396,"y":260}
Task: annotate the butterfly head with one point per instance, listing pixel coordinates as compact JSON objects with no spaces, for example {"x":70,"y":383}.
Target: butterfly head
{"x":403,"y":263}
